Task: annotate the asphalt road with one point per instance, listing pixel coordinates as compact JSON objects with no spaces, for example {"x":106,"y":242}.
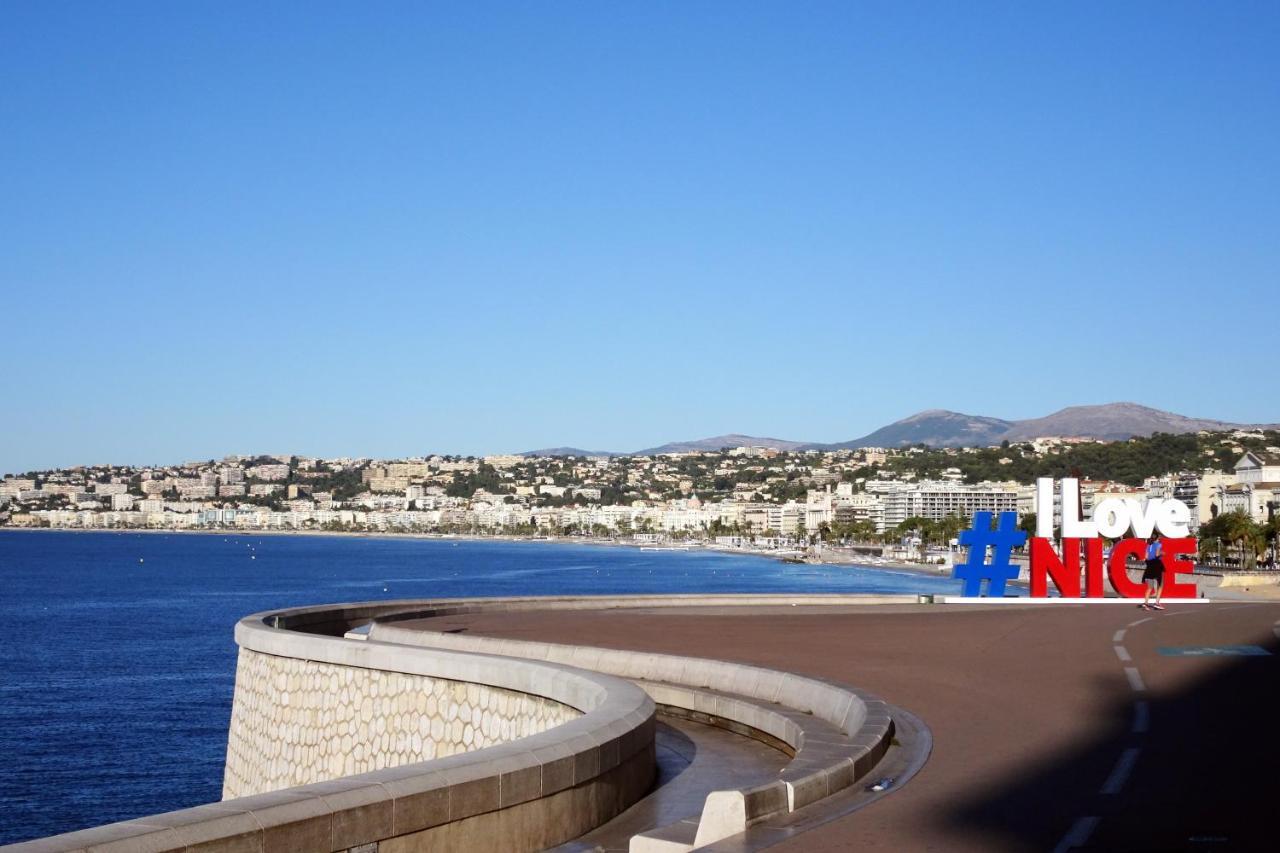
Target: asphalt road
{"x":1055,"y":728}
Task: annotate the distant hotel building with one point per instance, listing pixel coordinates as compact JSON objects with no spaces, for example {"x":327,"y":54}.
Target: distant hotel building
{"x":937,"y":500}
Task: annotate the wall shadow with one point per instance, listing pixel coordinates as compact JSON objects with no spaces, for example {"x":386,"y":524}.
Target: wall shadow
{"x":1207,"y":777}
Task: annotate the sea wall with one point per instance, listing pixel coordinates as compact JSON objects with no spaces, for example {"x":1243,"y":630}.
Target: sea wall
{"x":350,"y":734}
{"x":296,"y":721}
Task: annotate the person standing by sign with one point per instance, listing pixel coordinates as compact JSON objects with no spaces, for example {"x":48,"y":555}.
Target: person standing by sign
{"x":1153,"y":575}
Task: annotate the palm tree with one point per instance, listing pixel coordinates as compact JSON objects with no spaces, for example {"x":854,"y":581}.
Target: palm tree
{"x":1241,"y":530}
{"x":1271,"y":534}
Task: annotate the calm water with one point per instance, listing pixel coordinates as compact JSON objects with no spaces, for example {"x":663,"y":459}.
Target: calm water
{"x":117,"y":659}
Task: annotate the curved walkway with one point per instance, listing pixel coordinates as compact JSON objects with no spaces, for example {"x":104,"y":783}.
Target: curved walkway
{"x":1033,"y":712}
{"x":835,"y":733}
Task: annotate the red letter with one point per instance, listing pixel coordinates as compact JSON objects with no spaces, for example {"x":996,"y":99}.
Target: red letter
{"x":1093,"y":568}
{"x":1120,"y":582}
{"x":1045,"y":564}
{"x":1171,"y":552}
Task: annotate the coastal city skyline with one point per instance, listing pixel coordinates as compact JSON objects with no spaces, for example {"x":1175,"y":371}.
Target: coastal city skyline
{"x":749,"y":497}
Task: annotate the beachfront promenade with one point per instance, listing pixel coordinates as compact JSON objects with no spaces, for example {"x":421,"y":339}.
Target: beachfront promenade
{"x":667,"y":723}
{"x":1053,"y":728}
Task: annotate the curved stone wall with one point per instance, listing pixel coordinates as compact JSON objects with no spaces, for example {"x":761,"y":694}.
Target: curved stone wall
{"x":296,"y":721}
{"x":303,"y":682}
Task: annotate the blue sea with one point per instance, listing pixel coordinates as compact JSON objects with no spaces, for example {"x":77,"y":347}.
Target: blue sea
{"x":117,"y":661}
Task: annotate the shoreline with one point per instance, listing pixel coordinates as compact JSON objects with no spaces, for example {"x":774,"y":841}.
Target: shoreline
{"x":837,"y":559}
{"x":777,"y":556}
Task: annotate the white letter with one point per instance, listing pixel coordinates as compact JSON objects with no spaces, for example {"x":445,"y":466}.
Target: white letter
{"x":1072,"y":526}
{"x":1173,"y":518}
{"x":1142,"y":518}
{"x":1044,"y":507}
{"x":1111,"y":517}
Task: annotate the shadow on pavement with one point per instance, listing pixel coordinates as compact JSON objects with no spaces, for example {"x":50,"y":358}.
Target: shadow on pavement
{"x":1206,"y":777}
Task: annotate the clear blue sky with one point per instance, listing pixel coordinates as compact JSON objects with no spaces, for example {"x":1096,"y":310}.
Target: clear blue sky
{"x":390,"y":229}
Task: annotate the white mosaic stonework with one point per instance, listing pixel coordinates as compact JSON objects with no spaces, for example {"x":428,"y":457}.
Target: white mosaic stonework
{"x":294,"y":722}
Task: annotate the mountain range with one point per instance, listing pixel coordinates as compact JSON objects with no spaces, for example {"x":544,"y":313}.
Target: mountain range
{"x":942,"y":428}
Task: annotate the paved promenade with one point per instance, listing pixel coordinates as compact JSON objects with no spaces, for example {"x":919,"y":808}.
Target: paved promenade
{"x":1055,"y":728}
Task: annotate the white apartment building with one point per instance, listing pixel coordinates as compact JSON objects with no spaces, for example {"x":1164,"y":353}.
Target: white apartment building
{"x":12,"y":486}
{"x":1258,"y":467}
{"x":938,"y":500}
{"x":196,"y":492}
{"x":859,"y":507}
{"x":269,"y":472}
{"x":408,"y":469}
{"x":389,"y":484}
{"x":504,"y":460}
{"x":819,"y":509}
{"x":787,"y":518}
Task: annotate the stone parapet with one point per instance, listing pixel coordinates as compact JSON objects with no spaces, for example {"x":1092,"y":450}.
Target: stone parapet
{"x":295,"y":721}
{"x":526,"y":794}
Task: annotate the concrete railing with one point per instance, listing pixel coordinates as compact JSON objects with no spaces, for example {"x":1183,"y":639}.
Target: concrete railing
{"x":837,"y":734}
{"x":525,"y":795}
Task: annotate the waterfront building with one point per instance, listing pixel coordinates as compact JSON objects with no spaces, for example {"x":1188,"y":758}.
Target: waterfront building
{"x":859,"y":507}
{"x":936,"y":500}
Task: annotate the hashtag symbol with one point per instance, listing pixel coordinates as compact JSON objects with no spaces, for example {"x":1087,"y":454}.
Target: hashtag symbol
{"x":1002,"y":541}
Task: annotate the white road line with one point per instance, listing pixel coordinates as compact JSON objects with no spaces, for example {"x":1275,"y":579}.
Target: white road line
{"x":1141,"y":717}
{"x":1118,"y":637}
{"x":1120,"y":773}
{"x":1123,"y":654}
{"x":1135,"y":679}
{"x":1077,"y":835}
{"x":1140,"y":621}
